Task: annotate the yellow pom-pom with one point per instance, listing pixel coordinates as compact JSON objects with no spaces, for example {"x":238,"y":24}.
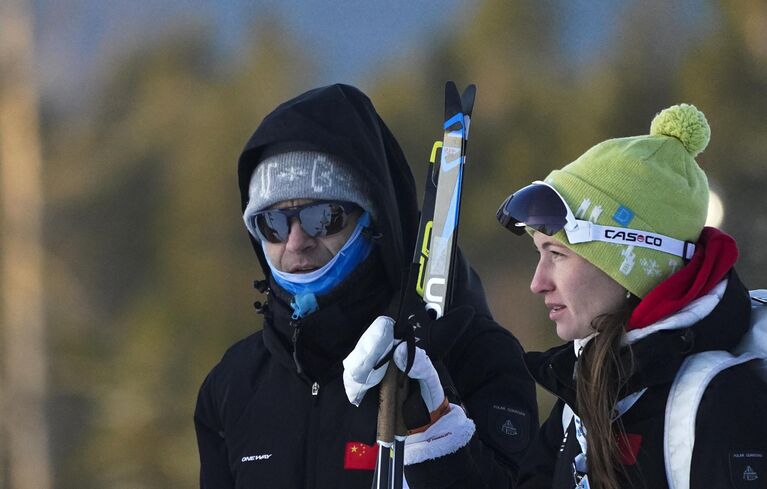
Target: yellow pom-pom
{"x":686,"y":123}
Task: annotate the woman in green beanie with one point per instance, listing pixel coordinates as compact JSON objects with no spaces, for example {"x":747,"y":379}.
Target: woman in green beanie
{"x":647,"y":299}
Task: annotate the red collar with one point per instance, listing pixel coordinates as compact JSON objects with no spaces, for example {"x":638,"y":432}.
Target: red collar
{"x":715,"y":254}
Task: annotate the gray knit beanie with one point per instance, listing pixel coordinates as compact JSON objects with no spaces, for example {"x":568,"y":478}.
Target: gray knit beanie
{"x":305,"y":174}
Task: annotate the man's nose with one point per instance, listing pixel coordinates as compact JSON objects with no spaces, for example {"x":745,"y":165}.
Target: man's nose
{"x":298,"y":240}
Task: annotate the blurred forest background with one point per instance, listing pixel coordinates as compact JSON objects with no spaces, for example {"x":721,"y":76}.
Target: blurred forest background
{"x":147,"y":269}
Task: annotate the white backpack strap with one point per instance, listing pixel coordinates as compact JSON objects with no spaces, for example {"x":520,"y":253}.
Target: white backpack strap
{"x":682,"y":408}
{"x":755,"y":339}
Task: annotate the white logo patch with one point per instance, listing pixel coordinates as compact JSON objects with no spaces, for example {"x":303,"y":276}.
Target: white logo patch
{"x":650,"y":267}
{"x":628,"y":260}
{"x":673,"y":265}
{"x":509,"y":428}
{"x":254,"y":458}
{"x":322,"y":174}
{"x":293,"y":173}
{"x":583,"y":209}
{"x":595,"y":213}
{"x":266,"y":179}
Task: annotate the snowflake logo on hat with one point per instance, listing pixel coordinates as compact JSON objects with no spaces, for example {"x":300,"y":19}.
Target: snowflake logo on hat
{"x":650,"y":267}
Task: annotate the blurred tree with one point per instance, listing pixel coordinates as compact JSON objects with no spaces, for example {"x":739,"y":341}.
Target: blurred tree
{"x":24,"y":452}
{"x":726,"y":75}
{"x":152,"y":264}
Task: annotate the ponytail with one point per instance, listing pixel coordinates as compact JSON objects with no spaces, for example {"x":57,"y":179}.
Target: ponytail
{"x":600,"y":377}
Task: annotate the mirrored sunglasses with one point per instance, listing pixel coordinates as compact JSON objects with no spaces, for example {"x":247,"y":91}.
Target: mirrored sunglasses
{"x":316,"y":219}
{"x":540,"y":207}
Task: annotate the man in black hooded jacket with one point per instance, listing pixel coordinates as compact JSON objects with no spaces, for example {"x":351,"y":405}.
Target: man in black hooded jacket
{"x":322,"y":174}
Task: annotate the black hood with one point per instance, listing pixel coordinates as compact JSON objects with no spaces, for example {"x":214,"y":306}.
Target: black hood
{"x":340,"y":120}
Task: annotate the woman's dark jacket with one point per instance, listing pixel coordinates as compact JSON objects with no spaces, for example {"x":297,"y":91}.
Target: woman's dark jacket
{"x":731,"y":424}
{"x":273,"y":413}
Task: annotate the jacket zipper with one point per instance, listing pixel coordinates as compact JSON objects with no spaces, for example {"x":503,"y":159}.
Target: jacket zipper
{"x":296,"y":325}
{"x":313,"y":436}
{"x":309,"y":449}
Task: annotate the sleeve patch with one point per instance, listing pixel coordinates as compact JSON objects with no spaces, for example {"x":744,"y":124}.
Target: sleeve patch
{"x":748,"y":469}
{"x":509,"y":427}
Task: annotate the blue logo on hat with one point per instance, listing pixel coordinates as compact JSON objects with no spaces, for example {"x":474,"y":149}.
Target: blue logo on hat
{"x":623,"y":216}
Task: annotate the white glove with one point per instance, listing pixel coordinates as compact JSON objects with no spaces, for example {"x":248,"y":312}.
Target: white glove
{"x":450,"y":431}
{"x":447,"y":435}
{"x":374,"y":344}
{"x":423,"y":371}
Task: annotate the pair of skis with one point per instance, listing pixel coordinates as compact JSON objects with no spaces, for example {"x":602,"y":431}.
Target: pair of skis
{"x":429,"y":277}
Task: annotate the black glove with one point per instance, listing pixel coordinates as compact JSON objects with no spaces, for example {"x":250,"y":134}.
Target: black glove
{"x":438,"y":336}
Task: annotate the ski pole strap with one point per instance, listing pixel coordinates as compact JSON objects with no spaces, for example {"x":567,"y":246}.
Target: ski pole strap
{"x":434,"y":416}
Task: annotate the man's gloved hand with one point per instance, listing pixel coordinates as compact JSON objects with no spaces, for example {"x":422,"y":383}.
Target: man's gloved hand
{"x":435,"y":427}
{"x":426,"y":401}
{"x":360,"y":373}
{"x":437,"y":336}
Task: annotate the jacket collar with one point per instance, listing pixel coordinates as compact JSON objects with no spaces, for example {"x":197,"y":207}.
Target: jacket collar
{"x":327,"y":335}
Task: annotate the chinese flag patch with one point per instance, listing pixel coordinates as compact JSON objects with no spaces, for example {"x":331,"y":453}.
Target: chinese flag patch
{"x":628,"y":448}
{"x":359,"y":456}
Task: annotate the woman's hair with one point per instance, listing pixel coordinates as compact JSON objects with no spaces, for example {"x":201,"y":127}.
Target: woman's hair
{"x":600,"y":375}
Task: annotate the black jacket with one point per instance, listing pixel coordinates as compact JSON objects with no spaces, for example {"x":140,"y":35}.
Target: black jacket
{"x":730,"y":420}
{"x":273,"y":412}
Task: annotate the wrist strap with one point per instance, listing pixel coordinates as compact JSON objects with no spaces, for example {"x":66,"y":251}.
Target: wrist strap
{"x":441,"y":410}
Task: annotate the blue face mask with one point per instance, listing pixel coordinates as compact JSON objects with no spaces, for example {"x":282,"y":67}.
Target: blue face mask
{"x":306,"y":286}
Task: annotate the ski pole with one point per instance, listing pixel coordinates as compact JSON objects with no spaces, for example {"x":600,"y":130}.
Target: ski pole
{"x":429,"y":276}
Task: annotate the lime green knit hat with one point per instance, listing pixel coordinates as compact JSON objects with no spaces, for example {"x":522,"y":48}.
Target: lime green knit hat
{"x":649,"y":183}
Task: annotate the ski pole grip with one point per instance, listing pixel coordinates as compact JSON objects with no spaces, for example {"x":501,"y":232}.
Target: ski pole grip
{"x":402,"y":390}
{"x":387,"y":405}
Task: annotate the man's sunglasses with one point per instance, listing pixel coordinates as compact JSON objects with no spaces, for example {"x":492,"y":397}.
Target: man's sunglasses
{"x":539,"y":206}
{"x":317,"y":219}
